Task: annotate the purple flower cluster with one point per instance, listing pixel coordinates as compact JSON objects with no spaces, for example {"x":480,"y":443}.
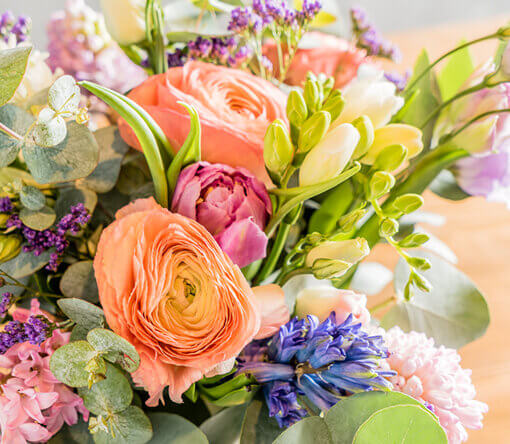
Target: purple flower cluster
{"x":399,"y":80}
{"x":370,"y":39}
{"x":35,"y":330}
{"x":12,"y":27}
{"x":322,"y":361}
{"x":5,"y":303}
{"x":5,"y":205}
{"x":40,"y":241}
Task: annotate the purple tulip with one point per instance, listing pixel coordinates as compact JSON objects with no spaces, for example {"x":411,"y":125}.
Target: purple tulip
{"x":231,"y":203}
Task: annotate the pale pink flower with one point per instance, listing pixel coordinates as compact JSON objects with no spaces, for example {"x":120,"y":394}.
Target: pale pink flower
{"x":433,"y":375}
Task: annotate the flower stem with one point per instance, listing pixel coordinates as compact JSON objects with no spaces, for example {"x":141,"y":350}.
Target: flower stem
{"x":274,"y":255}
{"x":473,"y":120}
{"x":382,"y":305}
{"x":11,"y":133}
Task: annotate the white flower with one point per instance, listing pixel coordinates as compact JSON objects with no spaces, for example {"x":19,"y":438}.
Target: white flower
{"x":125,"y":20}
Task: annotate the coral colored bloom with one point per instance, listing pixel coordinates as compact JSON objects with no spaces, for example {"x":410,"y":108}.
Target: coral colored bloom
{"x":235,"y":109}
{"x":433,"y":375}
{"x":273,"y":310}
{"x":167,"y":287}
{"x":320,"y":53}
{"x":231,"y":203}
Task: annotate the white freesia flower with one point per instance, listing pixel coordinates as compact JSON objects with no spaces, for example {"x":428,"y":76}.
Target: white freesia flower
{"x":125,"y":20}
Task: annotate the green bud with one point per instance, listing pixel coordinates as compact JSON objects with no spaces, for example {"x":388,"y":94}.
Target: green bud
{"x":96,"y":365}
{"x":414,"y":240}
{"x":349,"y":221}
{"x":390,"y":158}
{"x":366,"y":130}
{"x":388,"y":227}
{"x":10,"y":246}
{"x":407,"y":203}
{"x":329,"y":268}
{"x":313,"y":131}
{"x":420,"y":282}
{"x":334,"y":104}
{"x":504,"y":31}
{"x":380,"y":183}
{"x":327,"y":84}
{"x":312,"y":95}
{"x":278,"y":149}
{"x":419,"y":263}
{"x":350,"y":251}
{"x":297,"y":111}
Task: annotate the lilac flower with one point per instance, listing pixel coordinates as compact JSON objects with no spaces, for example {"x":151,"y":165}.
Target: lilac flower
{"x":244,"y":20}
{"x":35,"y":331}
{"x":5,"y":205}
{"x":5,"y":303}
{"x":322,"y":361}
{"x":399,"y":80}
{"x":17,"y":29}
{"x":310,"y":9}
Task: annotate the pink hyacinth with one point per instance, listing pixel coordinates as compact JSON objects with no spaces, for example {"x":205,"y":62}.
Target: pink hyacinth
{"x":33,"y":403}
{"x":433,"y":376}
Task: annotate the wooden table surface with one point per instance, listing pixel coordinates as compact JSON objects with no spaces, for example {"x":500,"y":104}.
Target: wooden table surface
{"x":479,"y":234}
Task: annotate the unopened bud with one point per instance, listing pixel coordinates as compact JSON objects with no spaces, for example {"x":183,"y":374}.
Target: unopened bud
{"x":313,"y":131}
{"x":388,"y":227}
{"x":390,"y":158}
{"x":350,"y":251}
{"x":380,"y":183}
{"x":420,"y":282}
{"x":349,"y":221}
{"x":297,"y":111}
{"x":413,"y":240}
{"x":504,"y":31}
{"x":419,"y":263}
{"x":334,"y":104}
{"x":312,"y":95}
{"x":10,"y":246}
{"x":407,"y":203}
{"x":366,"y":130}
{"x":329,"y":268}
{"x":278,"y":149}
{"x":82,"y":116}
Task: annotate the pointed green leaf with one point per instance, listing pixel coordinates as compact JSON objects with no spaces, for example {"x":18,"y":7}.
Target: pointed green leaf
{"x":13,"y":64}
{"x":83,"y":313}
{"x":458,"y":69}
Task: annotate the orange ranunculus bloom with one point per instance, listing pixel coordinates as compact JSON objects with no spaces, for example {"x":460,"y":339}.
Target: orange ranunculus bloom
{"x":235,"y":109}
{"x":167,"y":287}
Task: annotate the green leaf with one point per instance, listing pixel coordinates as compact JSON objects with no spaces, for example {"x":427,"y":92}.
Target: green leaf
{"x":75,"y":434}
{"x":225,"y":426}
{"x":117,"y":348}
{"x":258,"y":427}
{"x":345,"y":417}
{"x":131,"y":426}
{"x":213,"y":5}
{"x":74,"y":158}
{"x":111,"y":152}
{"x":322,"y":19}
{"x":38,"y":220}
{"x":111,"y":395}
{"x":79,"y":333}
{"x":79,"y":282}
{"x":25,"y":264}
{"x":445,"y":186}
{"x":404,"y":424}
{"x":32,"y":198}
{"x":170,"y":428}
{"x":13,"y":64}
{"x":235,"y":397}
{"x":83,"y":313}
{"x":9,"y":175}
{"x":69,"y":361}
{"x":17,"y":120}
{"x":64,"y":96}
{"x":73,"y":196}
{"x":186,"y":36}
{"x":306,"y":431}
{"x":454,"y":313}
{"x":458,"y":69}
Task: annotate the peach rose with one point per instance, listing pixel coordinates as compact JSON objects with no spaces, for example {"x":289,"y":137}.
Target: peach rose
{"x":321,"y":53}
{"x":235,"y":109}
{"x":166,"y":287}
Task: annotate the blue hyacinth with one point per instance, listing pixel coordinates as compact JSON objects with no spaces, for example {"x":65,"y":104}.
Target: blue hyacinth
{"x":322,"y":362}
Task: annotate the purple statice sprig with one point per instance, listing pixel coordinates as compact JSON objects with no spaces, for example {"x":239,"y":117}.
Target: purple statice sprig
{"x":55,"y":238}
{"x":15,"y":28}
{"x":6,"y":301}
{"x":35,"y":330}
{"x":369,"y":38}
{"x":321,"y":361}
{"x":399,"y":80}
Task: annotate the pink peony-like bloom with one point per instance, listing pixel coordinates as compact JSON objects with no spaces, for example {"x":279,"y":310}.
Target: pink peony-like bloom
{"x":433,"y":376}
{"x":33,"y":403}
{"x":231,"y":203}
{"x":320,"y":53}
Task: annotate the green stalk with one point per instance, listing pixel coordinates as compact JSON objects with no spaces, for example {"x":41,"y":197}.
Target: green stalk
{"x":143,"y":133}
{"x":274,"y":255}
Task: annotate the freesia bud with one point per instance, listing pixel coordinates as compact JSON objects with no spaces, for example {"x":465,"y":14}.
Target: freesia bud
{"x":313,"y":130}
{"x":278,"y":149}
{"x":349,"y":221}
{"x":366,"y":130}
{"x":390,"y":158}
{"x":125,"y":20}
{"x":407,"y":203}
{"x":296,"y":108}
{"x":329,"y":268}
{"x":388,"y":227}
{"x":10,"y":246}
{"x":334,"y":104}
{"x":395,"y":134}
{"x":312,"y":95}
{"x":350,"y":251}
{"x":328,"y":159}
{"x":414,"y":240}
{"x":419,"y":262}
{"x":420,"y":282}
{"x":380,"y":183}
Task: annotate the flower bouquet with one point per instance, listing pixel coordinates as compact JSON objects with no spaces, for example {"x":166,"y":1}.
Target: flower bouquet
{"x":188,"y":199}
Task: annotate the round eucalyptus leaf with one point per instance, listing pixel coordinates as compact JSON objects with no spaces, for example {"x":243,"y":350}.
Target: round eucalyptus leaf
{"x":38,"y":220}
{"x":50,"y":130}
{"x":171,"y":428}
{"x":13,"y":64}
{"x":79,"y":282}
{"x":111,"y":395}
{"x":258,"y":426}
{"x":17,"y":120}
{"x":454,"y":313}
{"x":32,"y":198}
{"x":69,"y":361}
{"x":9,"y":175}
{"x":225,"y":427}
{"x":64,"y":96}
{"x":75,"y":434}
{"x":131,"y":426}
{"x":83,"y":313}
{"x":345,"y":417}
{"x":75,"y":157}
{"x":25,"y":264}
{"x":117,"y":349}
{"x":404,"y":424}
{"x":78,"y":333}
{"x":73,"y":196}
{"x":308,"y":430}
